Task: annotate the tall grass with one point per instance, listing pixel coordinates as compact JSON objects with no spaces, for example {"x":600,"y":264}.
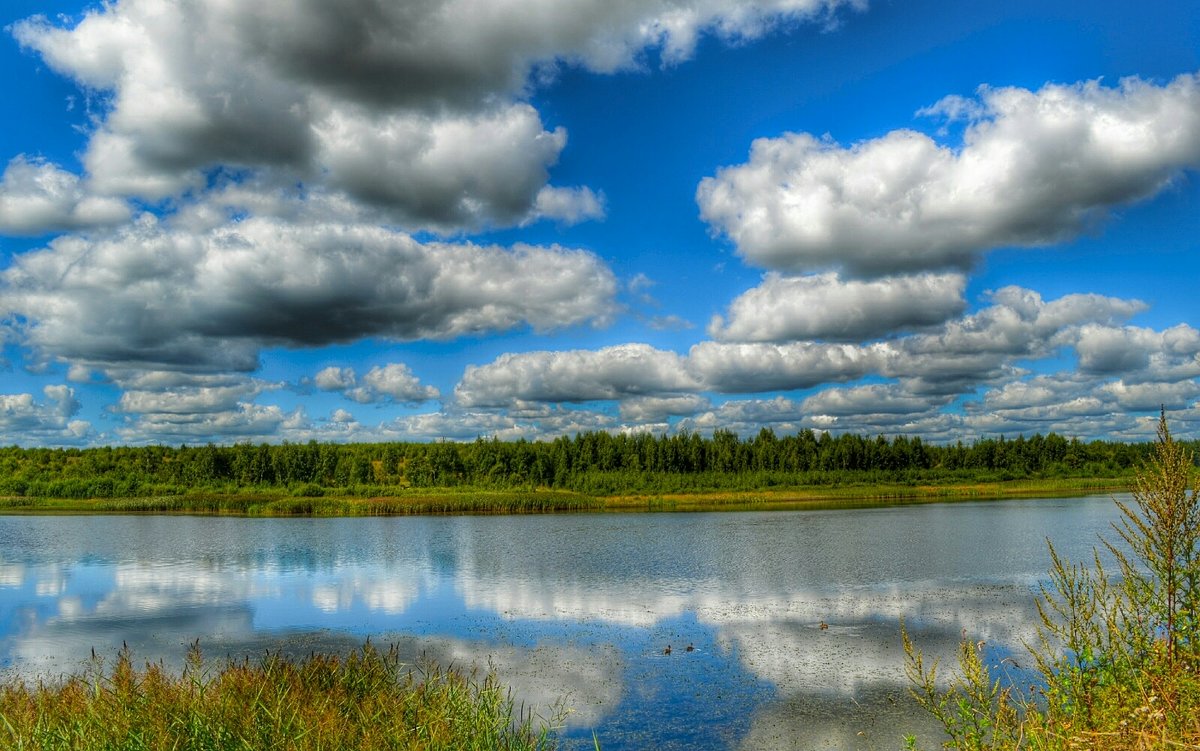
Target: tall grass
{"x":1118,"y":655}
{"x":367,"y":701}
{"x":457,"y":501}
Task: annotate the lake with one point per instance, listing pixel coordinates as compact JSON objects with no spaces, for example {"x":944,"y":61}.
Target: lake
{"x":577,"y":608}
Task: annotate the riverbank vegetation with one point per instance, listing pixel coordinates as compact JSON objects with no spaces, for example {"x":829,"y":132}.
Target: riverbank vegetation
{"x":1119,"y":651}
{"x":564,"y":474}
{"x":366,"y":701}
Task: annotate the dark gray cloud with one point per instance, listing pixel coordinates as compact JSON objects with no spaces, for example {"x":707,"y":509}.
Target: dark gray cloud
{"x":157,"y":297}
{"x":457,"y":52}
{"x":414,"y":107}
{"x":1034,"y":168}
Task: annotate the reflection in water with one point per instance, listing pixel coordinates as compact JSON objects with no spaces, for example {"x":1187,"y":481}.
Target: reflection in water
{"x":573,"y":608}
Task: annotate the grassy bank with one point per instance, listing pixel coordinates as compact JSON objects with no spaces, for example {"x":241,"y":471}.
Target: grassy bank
{"x":541,"y":501}
{"x":367,"y":701}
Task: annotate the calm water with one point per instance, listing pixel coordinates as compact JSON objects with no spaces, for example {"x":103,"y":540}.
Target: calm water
{"x":579,"y":607}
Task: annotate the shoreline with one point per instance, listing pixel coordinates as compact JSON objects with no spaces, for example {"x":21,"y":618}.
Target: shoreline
{"x":439,"y":502}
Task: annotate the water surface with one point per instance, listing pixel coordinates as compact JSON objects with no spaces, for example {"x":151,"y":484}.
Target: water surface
{"x":576,"y":607}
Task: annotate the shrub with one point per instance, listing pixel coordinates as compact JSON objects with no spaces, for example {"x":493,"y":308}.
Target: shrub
{"x":1119,"y":657}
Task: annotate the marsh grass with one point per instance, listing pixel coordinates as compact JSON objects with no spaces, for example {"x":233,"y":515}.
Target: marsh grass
{"x":329,"y":502}
{"x":1118,"y":655}
{"x":366,"y":701}
{"x":269,"y":504}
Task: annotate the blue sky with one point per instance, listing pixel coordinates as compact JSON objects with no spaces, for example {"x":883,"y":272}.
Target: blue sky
{"x":409,"y":221}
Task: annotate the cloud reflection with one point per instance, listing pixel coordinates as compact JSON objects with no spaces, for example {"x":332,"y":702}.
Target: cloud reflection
{"x":581,"y":607}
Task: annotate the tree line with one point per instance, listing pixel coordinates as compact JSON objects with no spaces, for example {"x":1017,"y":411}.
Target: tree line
{"x":594,"y":462}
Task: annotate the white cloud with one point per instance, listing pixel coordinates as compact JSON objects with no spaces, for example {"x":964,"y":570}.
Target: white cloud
{"x":396,"y":381}
{"x":1035,"y":167}
{"x":573,"y":376}
{"x":1150,"y":396}
{"x":243,"y":422}
{"x":984,"y":345}
{"x":824,"y":306}
{"x":874,"y":399}
{"x":156,"y":296}
{"x":413,"y":107}
{"x":753,"y":367}
{"x":167,"y":394}
{"x":335,"y":379}
{"x":24,"y":420}
{"x":1140,"y":353}
{"x":656,"y":409}
{"x":931,"y":367}
{"x":567,"y":205}
{"x":447,"y":172}
{"x":38,"y":197}
{"x":745,"y":416}
{"x":391,"y":382}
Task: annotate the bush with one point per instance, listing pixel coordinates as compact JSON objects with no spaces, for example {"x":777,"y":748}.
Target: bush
{"x":1119,"y":657}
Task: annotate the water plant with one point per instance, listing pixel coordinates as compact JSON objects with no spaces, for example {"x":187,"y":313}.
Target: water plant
{"x":1118,"y":653}
{"x":366,"y":701}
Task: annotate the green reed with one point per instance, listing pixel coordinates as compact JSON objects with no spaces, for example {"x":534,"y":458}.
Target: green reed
{"x":366,"y":701}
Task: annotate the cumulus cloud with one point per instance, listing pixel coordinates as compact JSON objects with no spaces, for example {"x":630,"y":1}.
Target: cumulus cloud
{"x":567,"y":205}
{"x":37,"y":197}
{"x":1034,"y":168}
{"x":984,"y":345}
{"x":617,"y":372}
{"x":335,"y":379}
{"x":27,"y":421}
{"x":416,"y":107}
{"x":191,"y":399}
{"x":1093,"y":405}
{"x":449,"y":171}
{"x":174,"y":406}
{"x":1140,"y":353}
{"x":392,"y":382}
{"x":244,"y":422}
{"x":745,"y":416}
{"x":545,"y":423}
{"x":824,"y":306}
{"x":155,"y":296}
{"x":656,"y":409}
{"x":755,"y":367}
{"x":874,"y":399}
{"x":930,"y":367}
{"x":1140,"y":397}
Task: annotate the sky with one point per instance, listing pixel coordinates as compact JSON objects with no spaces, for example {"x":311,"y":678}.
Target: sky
{"x":416,"y":220}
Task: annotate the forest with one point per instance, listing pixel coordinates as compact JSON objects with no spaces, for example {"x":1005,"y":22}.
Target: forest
{"x":594,"y":462}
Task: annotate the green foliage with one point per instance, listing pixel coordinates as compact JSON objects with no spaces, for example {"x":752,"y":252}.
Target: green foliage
{"x":367,"y":701}
{"x":1119,"y":657}
{"x":591,"y":463}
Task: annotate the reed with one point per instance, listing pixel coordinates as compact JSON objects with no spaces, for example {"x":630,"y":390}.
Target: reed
{"x":366,"y":701}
